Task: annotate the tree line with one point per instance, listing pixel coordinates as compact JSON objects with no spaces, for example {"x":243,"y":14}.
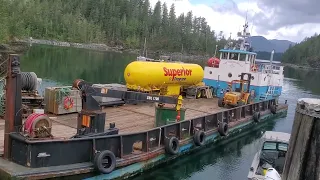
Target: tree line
{"x":304,"y":53}
{"x":114,"y":22}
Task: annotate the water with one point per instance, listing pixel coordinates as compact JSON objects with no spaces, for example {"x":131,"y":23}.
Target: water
{"x":62,"y":65}
{"x":229,"y":161}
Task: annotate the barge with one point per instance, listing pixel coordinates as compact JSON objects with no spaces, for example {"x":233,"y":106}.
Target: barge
{"x":43,"y":146}
{"x":149,"y":126}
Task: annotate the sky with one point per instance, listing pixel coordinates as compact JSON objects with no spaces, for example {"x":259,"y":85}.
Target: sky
{"x":291,"y":20}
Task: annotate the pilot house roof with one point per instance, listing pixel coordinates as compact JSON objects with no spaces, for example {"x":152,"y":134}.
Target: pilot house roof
{"x":276,"y":136}
{"x":237,"y":51}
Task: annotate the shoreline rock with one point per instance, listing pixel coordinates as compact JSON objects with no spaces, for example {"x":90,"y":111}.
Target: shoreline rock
{"x":118,"y":49}
{"x":300,"y":66}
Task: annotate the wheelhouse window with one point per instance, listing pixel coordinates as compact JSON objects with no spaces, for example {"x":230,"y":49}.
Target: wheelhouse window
{"x":276,"y":67}
{"x":283,"y":147}
{"x":234,"y":56}
{"x":243,"y":57}
{"x":269,"y":146}
{"x":252,"y":59}
{"x":275,"y":146}
{"x":224,"y":55}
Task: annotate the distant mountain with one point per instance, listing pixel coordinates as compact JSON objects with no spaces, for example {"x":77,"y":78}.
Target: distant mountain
{"x":260,"y":43}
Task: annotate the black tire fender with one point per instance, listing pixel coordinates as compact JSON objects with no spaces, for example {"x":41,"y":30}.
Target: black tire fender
{"x":101,"y":165}
{"x":273,"y":109}
{"x":223,"y":128}
{"x":256,"y":116}
{"x":172,"y":145}
{"x":199,"y":138}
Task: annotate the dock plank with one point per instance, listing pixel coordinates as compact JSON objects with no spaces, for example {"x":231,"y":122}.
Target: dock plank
{"x":128,"y":118}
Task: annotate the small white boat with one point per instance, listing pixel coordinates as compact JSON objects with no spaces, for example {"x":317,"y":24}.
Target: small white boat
{"x":269,"y":160}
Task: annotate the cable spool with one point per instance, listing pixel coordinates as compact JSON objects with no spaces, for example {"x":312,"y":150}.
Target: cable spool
{"x":29,"y":81}
{"x":38,"y":126}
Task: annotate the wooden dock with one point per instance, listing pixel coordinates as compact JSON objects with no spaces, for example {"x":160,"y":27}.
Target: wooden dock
{"x":303,"y":156}
{"x":128,"y":118}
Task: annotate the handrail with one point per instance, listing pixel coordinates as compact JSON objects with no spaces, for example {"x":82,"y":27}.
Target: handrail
{"x":152,"y":140}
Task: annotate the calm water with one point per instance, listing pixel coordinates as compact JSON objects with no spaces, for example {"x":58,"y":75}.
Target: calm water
{"x":229,"y":161}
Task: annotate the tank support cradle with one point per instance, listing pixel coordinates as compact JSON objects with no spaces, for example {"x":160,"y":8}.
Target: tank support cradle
{"x":91,"y":119}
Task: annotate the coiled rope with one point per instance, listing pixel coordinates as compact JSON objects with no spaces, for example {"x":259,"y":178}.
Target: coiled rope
{"x":62,"y":92}
{"x":29,"y":82}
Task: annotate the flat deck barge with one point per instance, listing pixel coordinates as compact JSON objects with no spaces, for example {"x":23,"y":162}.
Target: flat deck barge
{"x":115,"y":142}
{"x":138,"y":120}
{"x":128,"y":118}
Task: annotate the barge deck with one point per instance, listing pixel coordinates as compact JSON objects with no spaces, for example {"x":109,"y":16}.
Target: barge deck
{"x":128,"y":118}
{"x":45,"y":151}
{"x":129,"y":163}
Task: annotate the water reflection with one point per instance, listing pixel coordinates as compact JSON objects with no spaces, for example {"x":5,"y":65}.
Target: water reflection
{"x":307,"y":80}
{"x":215,"y":161}
{"x":64,"y":65}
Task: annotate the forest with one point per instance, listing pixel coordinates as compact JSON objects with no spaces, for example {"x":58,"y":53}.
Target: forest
{"x":305,"y":53}
{"x":113,"y":22}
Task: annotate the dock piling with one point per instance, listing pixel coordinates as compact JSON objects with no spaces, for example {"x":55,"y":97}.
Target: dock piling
{"x":303,"y":156}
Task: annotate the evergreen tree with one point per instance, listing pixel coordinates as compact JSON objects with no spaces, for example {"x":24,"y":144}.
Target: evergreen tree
{"x":304,"y":53}
{"x":114,"y":22}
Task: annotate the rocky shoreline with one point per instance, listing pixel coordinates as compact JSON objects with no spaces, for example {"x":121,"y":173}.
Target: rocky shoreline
{"x":118,"y":49}
{"x":21,"y":46}
{"x":95,"y":46}
{"x":300,"y":66}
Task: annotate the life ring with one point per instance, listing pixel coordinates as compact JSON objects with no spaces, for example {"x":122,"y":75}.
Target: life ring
{"x":68,"y":103}
{"x":254,"y":68}
{"x":199,"y":138}
{"x":256,"y":116}
{"x":172,"y":145}
{"x":101,"y":165}
{"x":223,"y":128}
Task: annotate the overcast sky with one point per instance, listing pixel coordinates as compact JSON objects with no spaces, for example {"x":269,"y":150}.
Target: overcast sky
{"x":274,"y":19}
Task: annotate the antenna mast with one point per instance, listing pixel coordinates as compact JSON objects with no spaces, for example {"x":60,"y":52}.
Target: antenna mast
{"x":244,"y":45}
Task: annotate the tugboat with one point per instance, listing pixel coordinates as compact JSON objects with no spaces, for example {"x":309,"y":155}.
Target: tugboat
{"x":269,"y":160}
{"x":266,"y":77}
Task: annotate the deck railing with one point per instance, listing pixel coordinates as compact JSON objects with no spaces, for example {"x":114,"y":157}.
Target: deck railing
{"x":127,"y":147}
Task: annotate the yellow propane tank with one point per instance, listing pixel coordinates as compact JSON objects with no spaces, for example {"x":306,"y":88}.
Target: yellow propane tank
{"x":149,"y":76}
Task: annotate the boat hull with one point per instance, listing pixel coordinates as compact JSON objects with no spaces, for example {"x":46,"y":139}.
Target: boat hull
{"x":234,"y":132}
{"x":259,"y":92}
{"x":140,"y":163}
